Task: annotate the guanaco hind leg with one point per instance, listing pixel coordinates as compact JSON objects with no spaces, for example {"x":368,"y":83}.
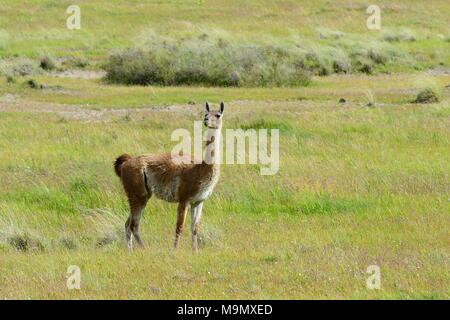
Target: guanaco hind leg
{"x":181,"y":216}
{"x":137,"y":206}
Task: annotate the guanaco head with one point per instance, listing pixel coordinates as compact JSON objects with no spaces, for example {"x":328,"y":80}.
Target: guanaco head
{"x":213,"y":119}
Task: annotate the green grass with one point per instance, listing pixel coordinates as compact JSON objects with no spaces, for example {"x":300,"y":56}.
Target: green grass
{"x":94,"y":94}
{"x":357,"y":186}
{"x":360,"y":183}
{"x":37,"y":28}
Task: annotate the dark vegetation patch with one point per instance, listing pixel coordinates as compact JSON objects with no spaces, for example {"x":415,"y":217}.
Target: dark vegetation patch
{"x":47,"y":63}
{"x":267,"y":124}
{"x":427,"y":96}
{"x":68,"y":243}
{"x":207,"y":64}
{"x":33,"y":84}
{"x":216,"y":62}
{"x":75,"y":62}
{"x":24,"y":242}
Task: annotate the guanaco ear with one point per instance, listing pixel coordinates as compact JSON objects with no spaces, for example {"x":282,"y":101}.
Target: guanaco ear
{"x":222,"y":107}
{"x":207,"y":106}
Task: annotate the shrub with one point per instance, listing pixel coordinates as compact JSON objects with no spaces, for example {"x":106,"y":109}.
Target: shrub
{"x":206,"y":62}
{"x":300,"y":77}
{"x":19,"y":67}
{"x":47,"y":63}
{"x":363,"y":65}
{"x":75,"y":62}
{"x":24,"y":69}
{"x":10,"y":79}
{"x":397,"y":36}
{"x":315,"y":64}
{"x":427,"y":95}
{"x":377,"y":56}
{"x":24,"y":242}
{"x":340,"y":67}
{"x":33,"y":84}
{"x":134,"y":67}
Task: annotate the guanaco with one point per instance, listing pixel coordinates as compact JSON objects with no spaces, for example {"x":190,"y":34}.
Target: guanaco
{"x":173,"y":178}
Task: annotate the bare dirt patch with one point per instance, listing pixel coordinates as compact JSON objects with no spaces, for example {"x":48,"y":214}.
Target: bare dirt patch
{"x":79,"y":74}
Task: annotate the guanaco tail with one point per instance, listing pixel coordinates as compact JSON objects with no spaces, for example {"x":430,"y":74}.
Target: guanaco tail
{"x":173,"y":178}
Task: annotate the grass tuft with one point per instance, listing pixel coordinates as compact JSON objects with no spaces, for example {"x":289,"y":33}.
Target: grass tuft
{"x":209,"y":63}
{"x":404,"y":35}
{"x":430,"y":90}
{"x":47,"y":63}
{"x":68,"y":243}
{"x":427,"y":96}
{"x":24,"y":242}
{"x":33,"y":84}
{"x":267,"y":124}
{"x":75,"y":62}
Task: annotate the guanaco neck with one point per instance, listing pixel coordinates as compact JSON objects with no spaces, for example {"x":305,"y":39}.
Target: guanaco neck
{"x":212,"y":153}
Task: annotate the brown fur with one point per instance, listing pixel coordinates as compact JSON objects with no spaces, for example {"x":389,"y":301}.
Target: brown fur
{"x":118,"y":163}
{"x":164,"y":170}
{"x":170,"y":178}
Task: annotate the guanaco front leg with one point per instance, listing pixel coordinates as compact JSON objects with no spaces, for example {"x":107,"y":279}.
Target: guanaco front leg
{"x":196,"y":212}
{"x":182,"y":210}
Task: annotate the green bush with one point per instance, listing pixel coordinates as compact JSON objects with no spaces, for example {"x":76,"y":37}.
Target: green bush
{"x":11,"y":79}
{"x":205,"y":62}
{"x":134,"y":67}
{"x":47,"y":63}
{"x":399,"y":35}
{"x":427,"y":95}
{"x":31,"y":83}
{"x":209,"y":61}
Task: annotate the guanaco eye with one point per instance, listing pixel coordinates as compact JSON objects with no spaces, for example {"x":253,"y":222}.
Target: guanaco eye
{"x":217,"y":116}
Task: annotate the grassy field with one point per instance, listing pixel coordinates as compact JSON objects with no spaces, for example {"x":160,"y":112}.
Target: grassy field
{"x":33,"y":28}
{"x":358,"y":185}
